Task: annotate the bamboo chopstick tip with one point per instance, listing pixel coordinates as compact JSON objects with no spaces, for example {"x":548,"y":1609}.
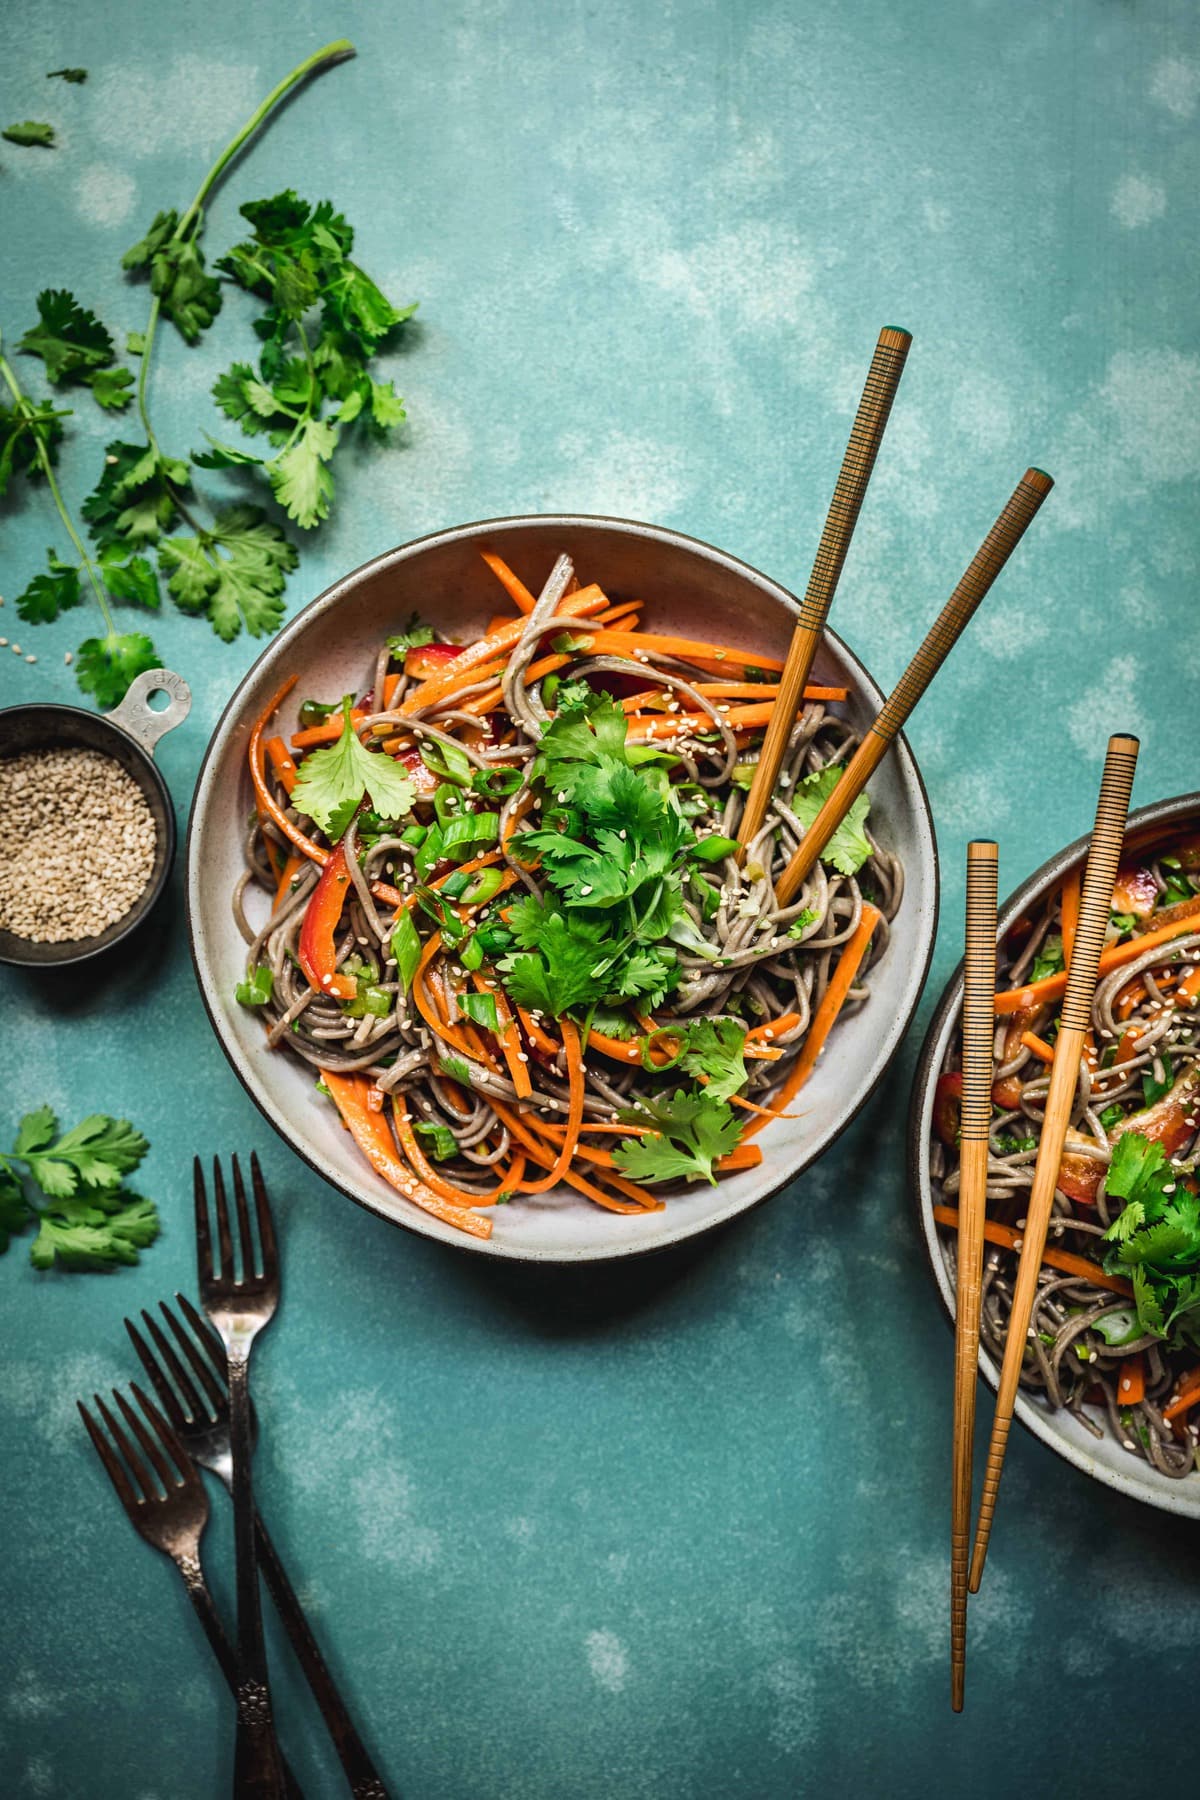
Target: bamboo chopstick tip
{"x":1123,"y":743}
{"x":894,"y":337}
{"x":983,"y":850}
{"x":1038,"y":478}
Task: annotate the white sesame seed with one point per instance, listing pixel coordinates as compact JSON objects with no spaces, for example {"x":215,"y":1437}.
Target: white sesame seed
{"x":32,"y":659}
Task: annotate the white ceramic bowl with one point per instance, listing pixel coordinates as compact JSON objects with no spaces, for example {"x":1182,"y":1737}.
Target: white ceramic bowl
{"x":687,"y":586}
{"x":1101,"y":1458}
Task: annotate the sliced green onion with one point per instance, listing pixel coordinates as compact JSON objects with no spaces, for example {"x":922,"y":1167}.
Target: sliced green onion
{"x":406,"y":948}
{"x":486,"y":886}
{"x":498,"y":783}
{"x":471,"y":953}
{"x":258,"y":989}
{"x":446,"y":760}
{"x":481,"y":1008}
{"x":444,"y":1144}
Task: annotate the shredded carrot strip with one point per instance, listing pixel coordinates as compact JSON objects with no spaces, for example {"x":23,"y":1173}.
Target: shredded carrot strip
{"x":287,"y":875}
{"x":281,"y":762}
{"x":622,"y":643}
{"x":509,"y":1036}
{"x":432,"y":1176}
{"x":496,"y":644}
{"x":494,"y":697}
{"x":1186,"y":1397}
{"x":1052,"y":987}
{"x":516,"y":590}
{"x":1131,"y":1383}
{"x":328,"y":732}
{"x":570,"y":1144}
{"x":372,"y":1134}
{"x":440,"y":1026}
{"x":1069,"y":905}
{"x":1041,"y":1049}
{"x":1065,"y":1261}
{"x":834,"y":996}
{"x":764,"y":1112}
{"x":540,"y":1153}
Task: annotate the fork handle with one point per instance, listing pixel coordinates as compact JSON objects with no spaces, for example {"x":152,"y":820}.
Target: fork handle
{"x":218,"y":1642}
{"x":256,"y":1769}
{"x":365,"y":1781}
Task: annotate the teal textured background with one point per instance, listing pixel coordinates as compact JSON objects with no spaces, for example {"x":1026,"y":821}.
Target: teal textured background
{"x":675,"y":1529}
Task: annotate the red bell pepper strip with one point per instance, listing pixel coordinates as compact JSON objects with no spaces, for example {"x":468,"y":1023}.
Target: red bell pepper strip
{"x":947,"y":1108}
{"x":425,"y":660}
{"x":316,"y":949}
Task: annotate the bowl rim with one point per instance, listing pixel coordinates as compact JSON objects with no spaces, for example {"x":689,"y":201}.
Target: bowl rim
{"x":329,"y":598}
{"x":1181,"y":1498}
{"x":82,"y":950}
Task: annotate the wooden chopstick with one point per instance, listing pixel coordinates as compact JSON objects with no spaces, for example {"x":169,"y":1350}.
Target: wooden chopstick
{"x":1104,"y":853}
{"x":943,"y":634}
{"x":978,"y":1032}
{"x":870,"y":421}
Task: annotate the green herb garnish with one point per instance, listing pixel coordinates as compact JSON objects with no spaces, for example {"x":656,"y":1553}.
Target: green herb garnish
{"x":87,"y":1220}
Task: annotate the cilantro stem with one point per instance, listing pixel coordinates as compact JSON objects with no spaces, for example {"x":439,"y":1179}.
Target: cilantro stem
{"x":47,"y":468}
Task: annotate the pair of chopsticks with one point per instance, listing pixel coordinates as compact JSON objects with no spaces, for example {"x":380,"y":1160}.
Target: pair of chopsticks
{"x":978,"y":1032}
{"x":874,"y":410}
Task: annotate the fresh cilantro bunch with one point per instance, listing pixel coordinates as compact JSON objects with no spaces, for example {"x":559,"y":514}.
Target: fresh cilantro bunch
{"x":76,"y":348}
{"x":325,"y":319}
{"x":86,"y":1218}
{"x":615,"y":850}
{"x":1155,"y":1238}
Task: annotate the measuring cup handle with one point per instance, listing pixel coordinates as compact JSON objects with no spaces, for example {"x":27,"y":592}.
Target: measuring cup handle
{"x":138,"y":718}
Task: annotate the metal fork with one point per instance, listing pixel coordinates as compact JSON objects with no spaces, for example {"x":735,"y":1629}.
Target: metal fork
{"x":189,"y":1377}
{"x":239,"y":1307}
{"x":172,"y":1521}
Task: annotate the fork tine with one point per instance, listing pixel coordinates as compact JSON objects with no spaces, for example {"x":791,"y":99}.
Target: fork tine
{"x":223,"y":1239}
{"x":170,"y":1443}
{"x":162,"y":1387}
{"x":116,"y":1474}
{"x":204,"y":1256}
{"x":204,"y":1332}
{"x":266,"y":1230}
{"x":159,"y":1461}
{"x":212,"y":1388}
{"x":136,"y":1468}
{"x":249,"y":1258}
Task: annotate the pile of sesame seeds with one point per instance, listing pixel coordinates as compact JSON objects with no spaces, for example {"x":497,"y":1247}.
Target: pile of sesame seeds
{"x":77,"y":844}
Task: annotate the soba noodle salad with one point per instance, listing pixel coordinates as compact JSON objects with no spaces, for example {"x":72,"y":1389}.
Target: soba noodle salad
{"x":1115,"y":1337}
{"x":502,"y":918}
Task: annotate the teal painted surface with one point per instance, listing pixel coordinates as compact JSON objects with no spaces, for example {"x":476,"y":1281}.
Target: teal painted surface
{"x":677,"y":1529}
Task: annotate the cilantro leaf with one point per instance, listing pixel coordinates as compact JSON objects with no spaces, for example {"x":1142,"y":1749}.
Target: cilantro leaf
{"x":691,"y":1131}
{"x":111,"y":388}
{"x":69,"y":339}
{"x":15,"y":1210}
{"x":338,"y":776}
{"x":1050,"y":958}
{"x":715,"y":1048}
{"x":93,"y":1154}
{"x":130,"y":578}
{"x":300,"y":477}
{"x":50,"y":594}
{"x":187,"y":294}
{"x":106,"y":666}
{"x":95,"y":1237}
{"x":1156,"y":1234}
{"x":29,"y":133}
{"x":133,"y":502}
{"x":233,"y":573}
{"x":849,"y":847}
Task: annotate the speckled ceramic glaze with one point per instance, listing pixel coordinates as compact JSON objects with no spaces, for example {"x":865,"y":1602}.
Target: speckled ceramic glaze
{"x":1102,"y":1458}
{"x":331,"y":645}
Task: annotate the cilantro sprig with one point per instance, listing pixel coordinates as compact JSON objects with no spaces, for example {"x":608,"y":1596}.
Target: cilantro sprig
{"x":104,"y":665}
{"x":325,"y":319}
{"x":1155,"y":1238}
{"x":71,"y":1185}
{"x":690,"y":1131}
{"x":333,"y":781}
